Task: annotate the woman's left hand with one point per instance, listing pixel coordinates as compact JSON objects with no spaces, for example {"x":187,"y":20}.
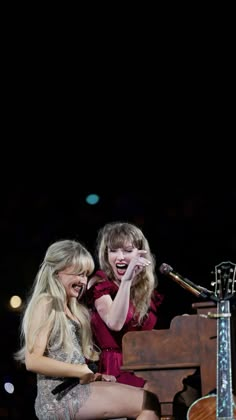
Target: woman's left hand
{"x":108,"y":378}
{"x":103,"y":377}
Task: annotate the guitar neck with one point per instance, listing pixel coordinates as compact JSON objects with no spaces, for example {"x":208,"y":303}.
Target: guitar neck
{"x":224,"y":408}
{"x":224,"y":369}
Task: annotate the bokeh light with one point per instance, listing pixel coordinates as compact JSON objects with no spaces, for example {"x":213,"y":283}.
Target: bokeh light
{"x":92,"y":199}
{"x":15,"y":302}
{"x":9,"y":387}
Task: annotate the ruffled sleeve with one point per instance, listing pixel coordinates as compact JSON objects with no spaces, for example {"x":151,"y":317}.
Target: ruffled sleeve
{"x":157,"y":298}
{"x":156,"y":302}
{"x":103,"y":286}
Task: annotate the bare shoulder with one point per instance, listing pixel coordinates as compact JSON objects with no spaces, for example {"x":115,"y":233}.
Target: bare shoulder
{"x":44,"y":304}
{"x":45,"y":300}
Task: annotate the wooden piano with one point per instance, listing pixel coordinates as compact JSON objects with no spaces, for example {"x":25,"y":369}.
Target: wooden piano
{"x":166,"y":357}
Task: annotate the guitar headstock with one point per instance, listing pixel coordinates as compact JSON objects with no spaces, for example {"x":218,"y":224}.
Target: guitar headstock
{"x":224,"y":283}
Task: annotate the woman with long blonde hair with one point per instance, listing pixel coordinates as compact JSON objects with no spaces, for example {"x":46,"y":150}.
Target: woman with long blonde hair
{"x":57,"y":345}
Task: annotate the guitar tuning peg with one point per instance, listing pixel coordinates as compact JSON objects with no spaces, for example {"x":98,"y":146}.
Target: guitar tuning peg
{"x":213,"y":283}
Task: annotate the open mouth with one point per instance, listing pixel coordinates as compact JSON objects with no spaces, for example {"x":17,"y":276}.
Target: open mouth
{"x":121,"y":268}
{"x":80,"y":289}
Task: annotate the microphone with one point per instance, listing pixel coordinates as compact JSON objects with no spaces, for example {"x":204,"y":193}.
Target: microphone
{"x":198,"y":291}
{"x":69,"y":383}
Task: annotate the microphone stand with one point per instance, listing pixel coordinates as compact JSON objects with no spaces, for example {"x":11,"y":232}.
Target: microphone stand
{"x":199,"y":291}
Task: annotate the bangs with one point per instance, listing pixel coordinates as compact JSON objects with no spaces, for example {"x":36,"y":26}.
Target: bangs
{"x":83,"y":264}
{"x":119,"y":239}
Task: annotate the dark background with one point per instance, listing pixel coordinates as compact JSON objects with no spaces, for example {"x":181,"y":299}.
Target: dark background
{"x":192,"y":229}
{"x":161,"y":106}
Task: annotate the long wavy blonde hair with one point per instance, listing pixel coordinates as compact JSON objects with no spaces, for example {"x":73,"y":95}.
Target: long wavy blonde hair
{"x":47,"y":288}
{"x":115,"y":235}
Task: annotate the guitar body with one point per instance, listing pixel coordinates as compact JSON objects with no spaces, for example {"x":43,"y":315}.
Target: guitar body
{"x":205,"y":409}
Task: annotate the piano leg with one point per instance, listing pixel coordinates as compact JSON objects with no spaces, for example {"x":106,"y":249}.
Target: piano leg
{"x":165,"y":384}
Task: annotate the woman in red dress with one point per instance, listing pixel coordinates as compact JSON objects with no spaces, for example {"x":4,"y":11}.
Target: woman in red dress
{"x":122,"y":294}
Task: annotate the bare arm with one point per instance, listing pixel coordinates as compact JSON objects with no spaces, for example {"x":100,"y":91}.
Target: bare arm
{"x":114,"y":313}
{"x":44,"y":365}
{"x":35,"y":360}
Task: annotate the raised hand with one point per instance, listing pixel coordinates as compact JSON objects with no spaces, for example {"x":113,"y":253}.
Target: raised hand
{"x":136,"y":265}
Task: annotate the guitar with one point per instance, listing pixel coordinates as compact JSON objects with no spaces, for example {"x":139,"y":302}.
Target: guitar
{"x":222,"y":405}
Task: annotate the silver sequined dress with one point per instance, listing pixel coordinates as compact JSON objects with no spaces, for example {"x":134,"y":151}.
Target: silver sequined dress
{"x":66,"y":404}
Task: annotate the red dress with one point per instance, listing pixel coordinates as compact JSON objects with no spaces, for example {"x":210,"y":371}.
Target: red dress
{"x":110,"y":342}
